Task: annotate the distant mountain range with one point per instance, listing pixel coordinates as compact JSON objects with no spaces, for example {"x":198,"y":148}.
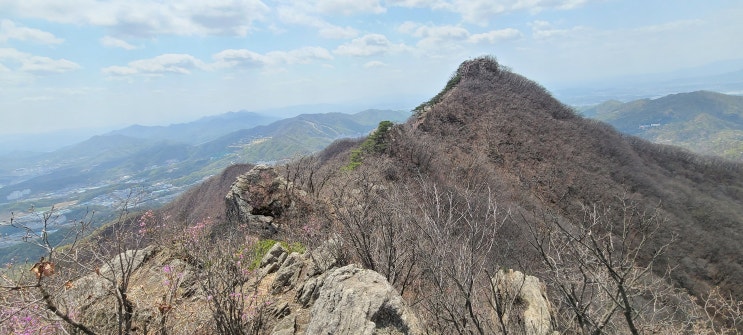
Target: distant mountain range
{"x":705,"y":122}
{"x":161,"y":162}
{"x":199,"y":131}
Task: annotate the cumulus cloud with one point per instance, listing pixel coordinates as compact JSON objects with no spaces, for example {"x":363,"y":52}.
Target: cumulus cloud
{"x":158,"y":66}
{"x":11,"y":31}
{"x":373,"y":64}
{"x":244,"y":58}
{"x":184,"y":64}
{"x":495,"y":36}
{"x":368,"y":45}
{"x":239,"y":58}
{"x":433,"y":4}
{"x":343,"y":7}
{"x":46,"y":65}
{"x":451,"y":37}
{"x":482,"y":11}
{"x":292,"y":15}
{"x":305,"y":55}
{"x":113,"y":42}
{"x":38,"y":65}
{"x":148,"y":18}
{"x":546,"y":30}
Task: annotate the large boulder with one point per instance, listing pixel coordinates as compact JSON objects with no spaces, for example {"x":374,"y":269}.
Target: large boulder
{"x":353,"y":300}
{"x":256,"y":198}
{"x":526,"y":307}
{"x":315,"y":293}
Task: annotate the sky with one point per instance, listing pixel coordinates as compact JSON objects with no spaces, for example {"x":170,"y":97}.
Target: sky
{"x":104,"y":64}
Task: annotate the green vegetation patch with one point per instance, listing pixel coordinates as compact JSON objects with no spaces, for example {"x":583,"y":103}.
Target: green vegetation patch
{"x":261,"y":248}
{"x":375,"y":143}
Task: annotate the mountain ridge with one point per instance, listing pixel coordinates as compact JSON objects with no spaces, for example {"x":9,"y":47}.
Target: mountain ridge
{"x":491,"y":179}
{"x":705,"y":122}
{"x":493,"y":168}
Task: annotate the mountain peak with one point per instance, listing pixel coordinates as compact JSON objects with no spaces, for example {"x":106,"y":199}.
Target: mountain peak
{"x":482,"y":90}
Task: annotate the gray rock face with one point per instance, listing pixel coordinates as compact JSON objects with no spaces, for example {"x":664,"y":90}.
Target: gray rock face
{"x":527,"y":309}
{"x":256,"y":198}
{"x":100,"y":284}
{"x":358,"y":301}
{"x":273,"y":258}
{"x":288,"y":273}
{"x":316,"y":296}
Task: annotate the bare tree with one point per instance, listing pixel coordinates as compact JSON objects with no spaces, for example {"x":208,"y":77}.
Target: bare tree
{"x":601,"y":266}
{"x":458,"y":228}
{"x":374,"y":216}
{"x":75,"y":256}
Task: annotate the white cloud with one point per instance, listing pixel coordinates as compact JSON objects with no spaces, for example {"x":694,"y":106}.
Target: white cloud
{"x":239,"y":58}
{"x":158,"y":66}
{"x":433,"y":4}
{"x":298,"y":56}
{"x":46,"y":65}
{"x":368,"y":45}
{"x":408,"y":27}
{"x":249,"y":59}
{"x":495,"y":36}
{"x":482,"y":11}
{"x":440,"y":37}
{"x":326,"y":30}
{"x":148,"y":18}
{"x":10,"y":31}
{"x":345,"y":7}
{"x":452,"y":38}
{"x":373,"y":64}
{"x":114,"y":42}
{"x":546,"y":30}
{"x":38,"y":65}
{"x":337,"y":32}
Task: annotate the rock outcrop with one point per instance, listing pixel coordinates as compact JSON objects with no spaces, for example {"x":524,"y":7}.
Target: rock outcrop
{"x":526,"y":307}
{"x":352,"y":300}
{"x":316,"y":296}
{"x":257,"y":198}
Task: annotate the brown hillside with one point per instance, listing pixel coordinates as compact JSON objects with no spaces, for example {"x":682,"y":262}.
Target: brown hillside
{"x":495,"y":155}
{"x":206,"y":199}
{"x":513,"y":134}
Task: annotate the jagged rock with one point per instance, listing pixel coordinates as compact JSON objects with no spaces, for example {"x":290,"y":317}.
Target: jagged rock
{"x":288,"y":273}
{"x":273,"y":258}
{"x":256,"y":198}
{"x":325,"y":257}
{"x":99,"y":284}
{"x":527,"y":309}
{"x":353,"y":300}
{"x":285,"y":326}
{"x":281,"y":310}
{"x":310,"y":290}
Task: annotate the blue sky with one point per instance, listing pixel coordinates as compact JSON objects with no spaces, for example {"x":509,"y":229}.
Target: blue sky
{"x":89,"y":63}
